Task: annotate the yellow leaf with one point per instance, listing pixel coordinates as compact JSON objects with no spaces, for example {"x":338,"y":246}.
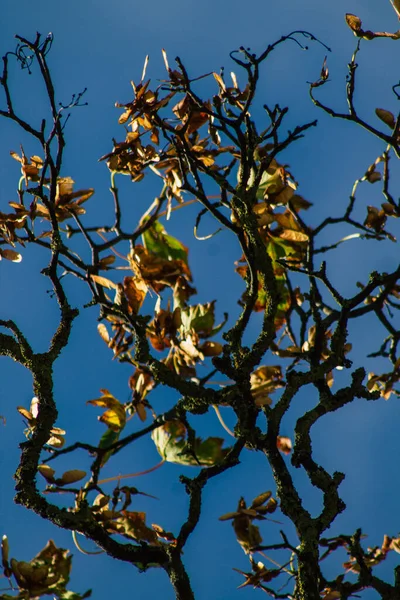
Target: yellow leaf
{"x":124,"y":117}
{"x":220,"y":81}
{"x":154,"y":137}
{"x":395,"y":545}
{"x":104,"y":401}
{"x":41,"y":211}
{"x":102,"y":329}
{"x":190,"y":349}
{"x":101,"y":501}
{"x":114,"y":419}
{"x":37,"y":160}
{"x":58,"y":431}
{"x":4,"y":550}
{"x":115,"y":416}
{"x":207,"y":161}
{"x":47,"y":472}
{"x":104,"y":282}
{"x":34,"y":407}
{"x":293,"y":236}
{"x":65,"y":186}
{"x":25,"y":413}
{"x":15,"y":156}
{"x":56,"y":440}
{"x":164,"y":54}
{"x":83,"y":195}
{"x":72,"y":476}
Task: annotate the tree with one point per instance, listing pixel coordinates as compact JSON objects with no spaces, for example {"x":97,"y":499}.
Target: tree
{"x":213,"y":153}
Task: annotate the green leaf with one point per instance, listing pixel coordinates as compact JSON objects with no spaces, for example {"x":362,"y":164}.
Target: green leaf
{"x":268,"y":181}
{"x":171,"y":442}
{"x":158,"y":242}
{"x":275,"y":249}
{"x":201,"y":318}
{"x":279,"y":248}
{"x":210,"y":451}
{"x":107,"y":439}
{"x":115,"y":415}
{"x":284,"y":296}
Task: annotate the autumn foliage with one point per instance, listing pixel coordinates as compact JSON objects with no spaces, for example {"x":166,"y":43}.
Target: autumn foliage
{"x":193,"y":146}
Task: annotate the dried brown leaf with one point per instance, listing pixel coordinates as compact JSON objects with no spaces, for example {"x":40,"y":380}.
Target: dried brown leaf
{"x":10,"y":255}
{"x":260,"y":499}
{"x":135,"y":290}
{"x":396,"y":6}
{"x":353,"y":22}
{"x":386,"y":116}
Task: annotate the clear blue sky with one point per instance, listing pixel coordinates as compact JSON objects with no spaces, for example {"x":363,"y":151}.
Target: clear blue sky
{"x":101,"y":46}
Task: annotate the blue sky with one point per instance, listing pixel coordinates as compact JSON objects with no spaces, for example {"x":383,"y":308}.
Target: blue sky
{"x":102,"y":46}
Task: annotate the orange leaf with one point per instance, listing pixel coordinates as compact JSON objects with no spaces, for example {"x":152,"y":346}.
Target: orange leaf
{"x":284,"y":444}
{"x":135,"y":291}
